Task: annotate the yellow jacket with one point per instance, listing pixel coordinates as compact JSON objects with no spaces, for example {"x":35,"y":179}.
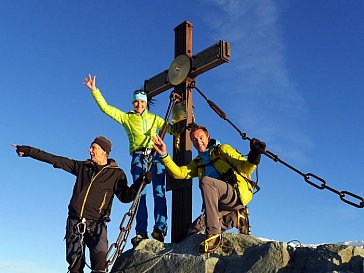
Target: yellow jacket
{"x":223,"y":158}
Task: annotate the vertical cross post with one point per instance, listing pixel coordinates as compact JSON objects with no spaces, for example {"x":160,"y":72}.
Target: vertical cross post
{"x":182,"y":190}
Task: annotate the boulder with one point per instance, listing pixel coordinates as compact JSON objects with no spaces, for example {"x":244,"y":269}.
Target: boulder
{"x":240,"y":253}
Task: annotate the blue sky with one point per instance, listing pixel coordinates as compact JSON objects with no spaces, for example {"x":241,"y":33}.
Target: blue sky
{"x":295,"y":80}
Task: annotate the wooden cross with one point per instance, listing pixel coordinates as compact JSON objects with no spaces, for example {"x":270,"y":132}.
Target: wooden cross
{"x":207,"y":59}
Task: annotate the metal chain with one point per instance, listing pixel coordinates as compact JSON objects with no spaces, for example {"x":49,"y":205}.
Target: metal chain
{"x":310,"y":178}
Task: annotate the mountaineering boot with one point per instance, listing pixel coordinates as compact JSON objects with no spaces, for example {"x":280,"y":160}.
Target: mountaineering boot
{"x":243,"y":221}
{"x":158,"y":235}
{"x":211,"y":243}
{"x":138,"y":238}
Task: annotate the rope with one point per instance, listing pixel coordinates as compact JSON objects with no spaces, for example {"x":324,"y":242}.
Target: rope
{"x":295,"y":241}
{"x":160,"y":257}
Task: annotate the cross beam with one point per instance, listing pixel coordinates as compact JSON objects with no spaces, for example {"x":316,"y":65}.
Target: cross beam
{"x":207,"y":59}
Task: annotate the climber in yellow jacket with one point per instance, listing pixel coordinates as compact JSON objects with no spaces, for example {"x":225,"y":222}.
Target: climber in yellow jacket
{"x":224,"y":180}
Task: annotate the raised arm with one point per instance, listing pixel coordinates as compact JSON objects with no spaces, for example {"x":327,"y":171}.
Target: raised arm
{"x":111,"y":111}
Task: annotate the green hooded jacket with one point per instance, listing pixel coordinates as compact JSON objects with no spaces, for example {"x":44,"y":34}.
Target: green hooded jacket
{"x":139,"y":128}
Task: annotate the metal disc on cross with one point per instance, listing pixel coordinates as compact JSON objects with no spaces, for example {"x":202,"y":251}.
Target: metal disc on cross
{"x":179,"y":69}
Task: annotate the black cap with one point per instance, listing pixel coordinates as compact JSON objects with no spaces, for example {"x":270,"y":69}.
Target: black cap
{"x":104,"y":143}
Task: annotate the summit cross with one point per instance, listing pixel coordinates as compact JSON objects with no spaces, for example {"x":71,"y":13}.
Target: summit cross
{"x":203,"y":61}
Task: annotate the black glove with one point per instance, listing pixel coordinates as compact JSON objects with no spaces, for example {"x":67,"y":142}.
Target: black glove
{"x":22,"y":151}
{"x":257,"y":147}
{"x":144,"y":176}
{"x":148,"y":176}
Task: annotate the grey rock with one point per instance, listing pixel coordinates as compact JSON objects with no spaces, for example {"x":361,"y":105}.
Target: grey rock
{"x":239,"y":253}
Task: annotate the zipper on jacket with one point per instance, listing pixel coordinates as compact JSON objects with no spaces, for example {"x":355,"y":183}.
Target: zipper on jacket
{"x":103,"y":203}
{"x":88,"y":190}
{"x":145,"y":124}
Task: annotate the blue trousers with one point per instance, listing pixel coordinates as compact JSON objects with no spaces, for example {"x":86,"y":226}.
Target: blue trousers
{"x":140,"y":163}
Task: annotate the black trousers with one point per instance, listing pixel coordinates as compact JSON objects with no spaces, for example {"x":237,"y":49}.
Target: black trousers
{"x":94,"y":237}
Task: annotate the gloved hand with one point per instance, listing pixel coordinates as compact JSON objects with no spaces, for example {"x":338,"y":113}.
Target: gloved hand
{"x":22,"y":151}
{"x":257,"y":147}
{"x":144,"y":176}
{"x":148,"y":176}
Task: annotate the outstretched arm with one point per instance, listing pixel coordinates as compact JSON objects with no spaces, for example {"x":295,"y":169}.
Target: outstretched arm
{"x":177,"y":172}
{"x":69,"y":165}
{"x":111,"y":111}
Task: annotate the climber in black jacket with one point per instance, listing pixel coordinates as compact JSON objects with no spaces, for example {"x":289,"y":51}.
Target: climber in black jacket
{"x":97,"y":181}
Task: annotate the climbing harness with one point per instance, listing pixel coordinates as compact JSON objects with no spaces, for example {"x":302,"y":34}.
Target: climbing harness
{"x":81,"y":230}
{"x":229,"y":175}
{"x":357,"y":201}
{"x":117,"y":248}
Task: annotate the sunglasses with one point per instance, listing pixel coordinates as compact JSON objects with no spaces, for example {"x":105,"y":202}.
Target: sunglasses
{"x":139,"y":92}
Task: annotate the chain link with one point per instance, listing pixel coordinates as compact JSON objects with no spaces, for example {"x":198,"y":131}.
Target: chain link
{"x":320,"y":183}
{"x":310,"y":178}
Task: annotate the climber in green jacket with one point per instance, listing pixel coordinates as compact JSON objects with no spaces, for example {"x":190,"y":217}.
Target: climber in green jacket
{"x":140,"y":125}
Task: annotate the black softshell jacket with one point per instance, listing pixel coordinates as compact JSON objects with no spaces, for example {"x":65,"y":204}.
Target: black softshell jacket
{"x":93,"y":192}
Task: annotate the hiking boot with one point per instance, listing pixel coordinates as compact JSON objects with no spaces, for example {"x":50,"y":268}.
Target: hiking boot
{"x":138,"y":238}
{"x":158,"y":235}
{"x":211,"y":243}
{"x":243,"y":221}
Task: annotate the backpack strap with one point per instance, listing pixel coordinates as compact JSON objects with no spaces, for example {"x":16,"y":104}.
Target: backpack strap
{"x":252,"y":183}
